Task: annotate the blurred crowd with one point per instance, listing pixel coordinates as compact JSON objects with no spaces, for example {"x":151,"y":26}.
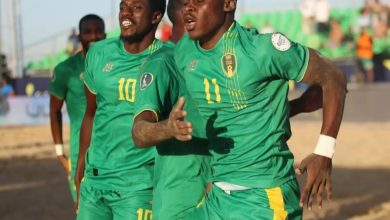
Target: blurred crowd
{"x":368,"y":37}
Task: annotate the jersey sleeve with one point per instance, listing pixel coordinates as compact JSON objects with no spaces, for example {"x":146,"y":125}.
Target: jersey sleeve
{"x":154,"y":87}
{"x":279,"y":57}
{"x":58,"y":82}
{"x":89,"y":70}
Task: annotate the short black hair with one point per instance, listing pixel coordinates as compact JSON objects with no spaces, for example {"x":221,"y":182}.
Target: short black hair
{"x":90,"y":17}
{"x":159,"y":5}
{"x":173,"y":7}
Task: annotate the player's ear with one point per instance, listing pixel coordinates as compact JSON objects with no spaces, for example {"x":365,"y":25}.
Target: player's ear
{"x":157,"y":16}
{"x":230,"y":5}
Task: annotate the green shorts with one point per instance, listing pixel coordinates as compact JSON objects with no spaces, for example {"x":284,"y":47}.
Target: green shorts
{"x":96,"y":204}
{"x":277,"y":203}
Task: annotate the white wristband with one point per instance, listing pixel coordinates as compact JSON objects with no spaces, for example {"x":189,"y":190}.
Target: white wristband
{"x":326,"y":146}
{"x":59,"y":149}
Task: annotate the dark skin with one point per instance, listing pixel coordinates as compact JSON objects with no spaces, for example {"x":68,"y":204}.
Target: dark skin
{"x":320,"y":72}
{"x":138,"y":23}
{"x":91,"y":30}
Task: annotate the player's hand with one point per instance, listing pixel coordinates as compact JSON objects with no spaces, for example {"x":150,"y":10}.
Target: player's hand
{"x":64,"y":163}
{"x":312,"y":98}
{"x":180,"y":129}
{"x":319,"y":169}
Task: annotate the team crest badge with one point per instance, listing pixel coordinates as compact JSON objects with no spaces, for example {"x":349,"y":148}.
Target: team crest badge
{"x":192,"y":65}
{"x":229,"y":64}
{"x":280,"y":42}
{"x":108,"y":67}
{"x":146,"y":80}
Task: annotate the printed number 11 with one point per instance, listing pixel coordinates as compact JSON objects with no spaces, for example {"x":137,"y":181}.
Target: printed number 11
{"x":216,"y":90}
{"x":147,"y":215}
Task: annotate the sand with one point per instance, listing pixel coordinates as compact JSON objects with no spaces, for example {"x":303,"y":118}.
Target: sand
{"x":33,"y":185}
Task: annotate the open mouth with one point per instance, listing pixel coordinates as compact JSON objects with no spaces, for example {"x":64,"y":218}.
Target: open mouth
{"x":126,"y":23}
{"x":189,"y":23}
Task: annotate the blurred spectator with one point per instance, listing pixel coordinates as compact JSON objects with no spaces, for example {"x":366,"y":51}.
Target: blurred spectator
{"x":267,"y":29}
{"x":365,"y":54}
{"x":73,"y":44}
{"x":335,"y":34}
{"x":349,"y":39}
{"x":307,"y":9}
{"x":364,"y":20}
{"x":322,"y":15}
{"x":379,"y":12}
{"x":6,"y":88}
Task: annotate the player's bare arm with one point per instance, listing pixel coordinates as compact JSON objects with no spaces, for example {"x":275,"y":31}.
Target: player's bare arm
{"x":332,"y":81}
{"x":56,"y":130}
{"x":309,"y":101}
{"x":147,"y":131}
{"x":85,"y":137}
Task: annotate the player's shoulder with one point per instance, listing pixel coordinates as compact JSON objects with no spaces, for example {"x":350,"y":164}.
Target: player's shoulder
{"x":164,"y":53}
{"x":68,"y":64}
{"x":105,"y":45}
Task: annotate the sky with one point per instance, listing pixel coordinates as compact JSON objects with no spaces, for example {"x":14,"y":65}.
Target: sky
{"x":45,"y":20}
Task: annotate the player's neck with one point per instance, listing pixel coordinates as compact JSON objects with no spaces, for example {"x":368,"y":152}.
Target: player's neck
{"x":177,"y":32}
{"x":137,"y":45}
{"x":209,"y":41}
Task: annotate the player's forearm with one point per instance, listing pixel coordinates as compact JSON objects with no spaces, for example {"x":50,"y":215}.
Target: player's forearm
{"x":334,"y":92}
{"x":56,"y":126}
{"x":330,"y":78}
{"x":85,"y":134}
{"x":149,"y":134}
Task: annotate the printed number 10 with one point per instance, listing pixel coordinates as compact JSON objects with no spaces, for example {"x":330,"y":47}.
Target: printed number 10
{"x":125,"y":91}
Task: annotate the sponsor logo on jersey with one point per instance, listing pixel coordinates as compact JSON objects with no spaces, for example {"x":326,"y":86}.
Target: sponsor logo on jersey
{"x":108,"y":67}
{"x":192,"y":65}
{"x":146,"y":80}
{"x":280,"y":42}
{"x":229,"y":64}
{"x":82,"y":76}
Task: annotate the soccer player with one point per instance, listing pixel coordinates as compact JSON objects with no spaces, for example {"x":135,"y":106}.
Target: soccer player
{"x":67,"y":86}
{"x":117,"y":176}
{"x":238,"y":80}
{"x":181,"y":168}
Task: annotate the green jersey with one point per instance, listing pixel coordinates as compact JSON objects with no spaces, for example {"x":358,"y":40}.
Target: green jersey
{"x":113,"y":162}
{"x":181,"y":168}
{"x":240,"y":88}
{"x":67,"y":84}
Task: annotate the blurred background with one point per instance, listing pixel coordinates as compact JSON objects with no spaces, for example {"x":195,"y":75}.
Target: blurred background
{"x":37,"y":35}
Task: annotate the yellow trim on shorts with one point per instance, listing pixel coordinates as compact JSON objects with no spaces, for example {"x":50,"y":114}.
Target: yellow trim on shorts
{"x":69,"y":164}
{"x":276,"y":202}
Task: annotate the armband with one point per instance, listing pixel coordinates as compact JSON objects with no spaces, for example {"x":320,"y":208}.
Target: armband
{"x":326,"y":146}
{"x":59,"y":149}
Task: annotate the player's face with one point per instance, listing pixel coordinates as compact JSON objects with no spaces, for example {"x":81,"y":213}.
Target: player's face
{"x":92,"y":30}
{"x":136,"y":18}
{"x":203,"y":18}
